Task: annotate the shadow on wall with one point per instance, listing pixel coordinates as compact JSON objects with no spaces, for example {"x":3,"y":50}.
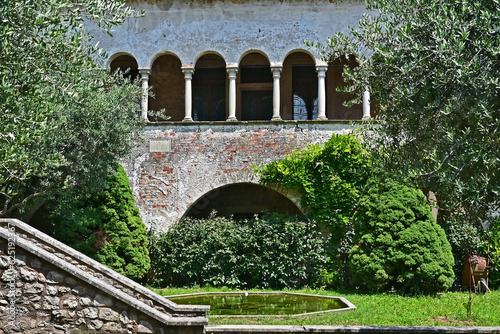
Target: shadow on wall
{"x":241,"y":201}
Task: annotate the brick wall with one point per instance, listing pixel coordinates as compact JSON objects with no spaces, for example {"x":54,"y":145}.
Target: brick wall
{"x":177,"y":163}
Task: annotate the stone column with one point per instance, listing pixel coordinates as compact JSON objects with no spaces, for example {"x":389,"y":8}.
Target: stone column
{"x":231,"y":72}
{"x":366,"y":104}
{"x":188,"y":95}
{"x":276,"y":92}
{"x":145,"y":72}
{"x":321,"y":92}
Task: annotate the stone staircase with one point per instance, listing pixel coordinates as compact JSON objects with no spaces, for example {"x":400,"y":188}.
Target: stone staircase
{"x":34,"y":260}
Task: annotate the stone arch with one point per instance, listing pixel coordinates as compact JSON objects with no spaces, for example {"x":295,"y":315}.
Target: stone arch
{"x":208,"y":53}
{"x":242,"y":200}
{"x":210,"y":88}
{"x":254,"y":88}
{"x":299,"y":87}
{"x":125,"y":63}
{"x":334,"y":79}
{"x":167,"y":82}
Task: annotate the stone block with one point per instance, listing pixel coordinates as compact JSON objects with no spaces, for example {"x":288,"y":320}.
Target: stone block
{"x":88,"y":312}
{"x":108,"y":314}
{"x":35,"y":263}
{"x":10,"y":275}
{"x":103,"y":300}
{"x":51,"y":290}
{"x":28,"y":274}
{"x":95,"y":324}
{"x":55,"y":277}
{"x":70,"y":302}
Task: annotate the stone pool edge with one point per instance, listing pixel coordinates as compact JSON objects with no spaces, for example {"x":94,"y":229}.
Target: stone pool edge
{"x":270,"y":329}
{"x":347,"y":303}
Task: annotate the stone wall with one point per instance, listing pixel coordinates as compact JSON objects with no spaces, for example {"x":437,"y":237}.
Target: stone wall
{"x":177,"y":163}
{"x":47,"y":287}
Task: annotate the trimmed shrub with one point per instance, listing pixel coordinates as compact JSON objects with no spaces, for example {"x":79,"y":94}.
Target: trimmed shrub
{"x":106,"y":226}
{"x":272,"y":252}
{"x":397,"y":243}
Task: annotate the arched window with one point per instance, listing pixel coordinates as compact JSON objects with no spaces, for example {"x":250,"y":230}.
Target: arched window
{"x":334,"y":79}
{"x":127,"y":65}
{"x":299,"y":87}
{"x":209,"y":89}
{"x":255,"y":88}
{"x":167,"y":82}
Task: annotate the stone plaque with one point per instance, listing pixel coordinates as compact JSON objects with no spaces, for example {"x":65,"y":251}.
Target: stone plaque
{"x":158,"y":146}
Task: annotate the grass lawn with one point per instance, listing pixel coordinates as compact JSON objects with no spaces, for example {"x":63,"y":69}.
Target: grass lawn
{"x":445,"y":309}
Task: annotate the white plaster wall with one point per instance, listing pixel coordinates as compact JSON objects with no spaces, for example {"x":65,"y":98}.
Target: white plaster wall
{"x":189,"y":29}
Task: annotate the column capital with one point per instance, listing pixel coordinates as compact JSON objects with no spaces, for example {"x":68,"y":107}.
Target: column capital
{"x":232,"y":71}
{"x":188,"y":71}
{"x":321,"y":69}
{"x":144,"y":71}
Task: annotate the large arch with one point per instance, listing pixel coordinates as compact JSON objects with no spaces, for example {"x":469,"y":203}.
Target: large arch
{"x":241,"y":200}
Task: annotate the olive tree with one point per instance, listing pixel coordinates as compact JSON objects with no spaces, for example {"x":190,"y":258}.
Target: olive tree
{"x":432,"y":68}
{"x":64,"y":119}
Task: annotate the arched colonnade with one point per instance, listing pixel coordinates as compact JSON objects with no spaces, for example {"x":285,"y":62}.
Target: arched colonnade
{"x":298,"y":88}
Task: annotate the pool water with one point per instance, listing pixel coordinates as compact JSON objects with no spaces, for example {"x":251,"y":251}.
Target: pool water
{"x":262,"y":304}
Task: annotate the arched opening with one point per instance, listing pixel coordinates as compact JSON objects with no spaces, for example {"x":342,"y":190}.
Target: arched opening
{"x":209,"y":89}
{"x":299,"y":84}
{"x":167,"y":81}
{"x":127,"y":65}
{"x":335,"y":99}
{"x":255,"y":88}
{"x":241,"y":201}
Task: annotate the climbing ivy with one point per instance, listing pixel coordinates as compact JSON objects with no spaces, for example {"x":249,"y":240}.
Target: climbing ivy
{"x":330,"y":177}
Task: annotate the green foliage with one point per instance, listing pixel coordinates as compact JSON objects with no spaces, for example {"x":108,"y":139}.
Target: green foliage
{"x":271,"y":252}
{"x":105,"y":225}
{"x":494,"y":253}
{"x":330,"y":177}
{"x":397,"y":243}
{"x":64,"y":119}
{"x":432,"y":67}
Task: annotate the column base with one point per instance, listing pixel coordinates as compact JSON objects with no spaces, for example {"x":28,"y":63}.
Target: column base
{"x":187,"y":119}
{"x":276,"y":118}
{"x":366,"y":118}
{"x":322,"y":118}
{"x":232,"y":119}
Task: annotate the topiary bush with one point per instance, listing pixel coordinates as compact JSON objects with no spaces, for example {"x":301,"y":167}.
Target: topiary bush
{"x":275,"y":251}
{"x":397,"y":243}
{"x":105,"y":225}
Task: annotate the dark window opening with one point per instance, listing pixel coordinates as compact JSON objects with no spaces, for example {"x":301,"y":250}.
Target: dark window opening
{"x":257,"y":105}
{"x":305,"y":93}
{"x":209,"y":94}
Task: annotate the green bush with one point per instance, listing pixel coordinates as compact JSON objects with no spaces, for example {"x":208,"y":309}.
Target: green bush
{"x":494,"y":253}
{"x":397,"y":243}
{"x":106,"y":226}
{"x":275,"y":251}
